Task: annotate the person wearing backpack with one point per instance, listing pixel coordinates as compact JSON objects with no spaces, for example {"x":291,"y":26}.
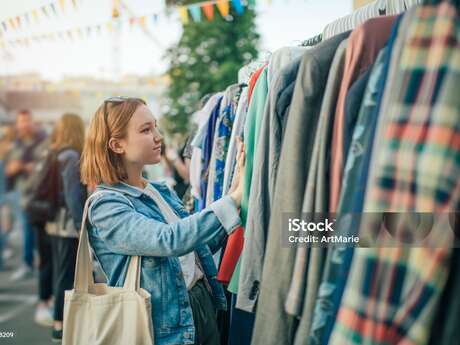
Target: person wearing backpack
{"x":71,"y":194}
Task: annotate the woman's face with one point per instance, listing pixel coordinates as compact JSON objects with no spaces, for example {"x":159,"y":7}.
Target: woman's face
{"x":142,"y":144}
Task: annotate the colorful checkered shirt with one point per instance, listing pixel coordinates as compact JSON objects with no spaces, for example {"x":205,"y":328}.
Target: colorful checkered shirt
{"x":392,"y":294}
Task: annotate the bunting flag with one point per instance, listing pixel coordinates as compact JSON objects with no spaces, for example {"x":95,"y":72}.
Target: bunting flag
{"x":12,"y":24}
{"x":53,"y":8}
{"x":62,"y":4}
{"x":238,"y":7}
{"x":72,"y":34}
{"x":208,"y":10}
{"x":195,"y":12}
{"x":142,"y":22}
{"x":223,"y":7}
{"x":35,"y":15}
{"x":183,"y":13}
{"x":45,"y":11}
{"x":132,"y":22}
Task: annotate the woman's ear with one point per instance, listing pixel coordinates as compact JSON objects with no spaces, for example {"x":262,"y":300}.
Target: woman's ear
{"x":116,"y":146}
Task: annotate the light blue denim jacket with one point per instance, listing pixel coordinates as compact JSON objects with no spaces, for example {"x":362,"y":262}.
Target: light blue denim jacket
{"x":124,"y":221}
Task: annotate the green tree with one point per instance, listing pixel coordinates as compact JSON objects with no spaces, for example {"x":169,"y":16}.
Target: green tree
{"x":206,"y":60}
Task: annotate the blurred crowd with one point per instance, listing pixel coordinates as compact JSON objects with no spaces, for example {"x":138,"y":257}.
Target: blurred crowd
{"x":42,"y":200}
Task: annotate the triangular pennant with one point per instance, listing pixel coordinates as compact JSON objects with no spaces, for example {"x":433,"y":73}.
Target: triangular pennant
{"x":183,"y":13}
{"x":5,"y":27}
{"x":62,"y":4}
{"x":35,"y":15}
{"x":223,"y":7}
{"x":132,"y":21}
{"x":12,"y":24}
{"x":142,"y":22}
{"x":18,"y":21}
{"x":195,"y":12}
{"x":53,"y":8}
{"x":238,"y":7}
{"x":208,"y":10}
{"x":45,"y":11}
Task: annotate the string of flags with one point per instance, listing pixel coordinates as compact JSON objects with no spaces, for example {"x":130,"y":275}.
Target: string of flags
{"x":196,"y":12}
{"x":46,"y":12}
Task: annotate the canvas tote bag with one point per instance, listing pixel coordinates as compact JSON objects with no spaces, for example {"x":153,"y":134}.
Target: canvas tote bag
{"x":97,"y":314}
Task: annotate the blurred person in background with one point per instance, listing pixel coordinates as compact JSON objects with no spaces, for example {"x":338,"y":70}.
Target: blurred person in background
{"x":37,"y":220}
{"x":68,"y":143}
{"x":6,"y":214}
{"x":19,"y":164}
{"x":178,"y":169}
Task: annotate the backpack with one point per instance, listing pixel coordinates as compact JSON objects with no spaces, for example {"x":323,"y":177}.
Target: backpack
{"x":43,"y":199}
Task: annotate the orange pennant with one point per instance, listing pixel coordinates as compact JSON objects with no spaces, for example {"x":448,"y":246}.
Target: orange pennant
{"x":223,"y":7}
{"x":142,"y":22}
{"x":208,"y":10}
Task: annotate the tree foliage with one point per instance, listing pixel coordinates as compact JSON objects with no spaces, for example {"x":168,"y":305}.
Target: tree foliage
{"x":206,"y":60}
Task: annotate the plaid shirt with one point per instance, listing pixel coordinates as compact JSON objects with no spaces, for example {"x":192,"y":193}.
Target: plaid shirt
{"x":392,"y":293}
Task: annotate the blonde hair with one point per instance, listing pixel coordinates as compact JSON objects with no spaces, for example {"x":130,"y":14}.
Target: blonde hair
{"x":69,"y":132}
{"x":99,"y":164}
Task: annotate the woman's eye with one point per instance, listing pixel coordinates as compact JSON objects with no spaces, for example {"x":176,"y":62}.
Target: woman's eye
{"x":146,"y":130}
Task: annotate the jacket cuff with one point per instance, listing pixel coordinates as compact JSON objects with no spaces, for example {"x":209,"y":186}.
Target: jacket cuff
{"x":227,"y":213}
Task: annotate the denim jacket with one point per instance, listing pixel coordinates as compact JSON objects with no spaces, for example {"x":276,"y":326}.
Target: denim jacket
{"x":124,"y":221}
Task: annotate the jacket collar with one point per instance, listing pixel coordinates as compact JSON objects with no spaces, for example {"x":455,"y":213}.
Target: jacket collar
{"x":125,"y":188}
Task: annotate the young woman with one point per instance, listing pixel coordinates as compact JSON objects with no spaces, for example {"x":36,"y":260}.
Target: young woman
{"x":177,"y":267}
{"x":69,"y":137}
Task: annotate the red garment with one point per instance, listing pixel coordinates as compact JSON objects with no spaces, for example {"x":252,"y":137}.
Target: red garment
{"x":253,"y":81}
{"x":364,"y":44}
{"x":231,"y":256}
{"x":236,"y":239}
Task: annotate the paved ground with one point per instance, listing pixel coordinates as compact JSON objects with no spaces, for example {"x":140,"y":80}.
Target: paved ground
{"x":17,"y":308}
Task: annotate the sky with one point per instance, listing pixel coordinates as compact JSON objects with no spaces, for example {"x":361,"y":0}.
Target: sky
{"x":280,"y":23}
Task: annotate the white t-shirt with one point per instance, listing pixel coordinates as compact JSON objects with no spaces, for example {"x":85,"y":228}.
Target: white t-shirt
{"x":190,"y":269}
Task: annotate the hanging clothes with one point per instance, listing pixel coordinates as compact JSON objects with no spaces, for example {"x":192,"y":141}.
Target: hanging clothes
{"x":201,"y":119}
{"x":273,"y":325}
{"x":251,"y":135}
{"x":300,"y":299}
{"x":235,"y":241}
{"x":365,"y":43}
{"x":206,"y":150}
{"x":283,"y":68}
{"x":221,"y":143}
{"x":405,"y":285}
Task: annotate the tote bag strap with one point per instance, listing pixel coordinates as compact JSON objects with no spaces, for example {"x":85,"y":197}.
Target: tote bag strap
{"x":84,"y":265}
